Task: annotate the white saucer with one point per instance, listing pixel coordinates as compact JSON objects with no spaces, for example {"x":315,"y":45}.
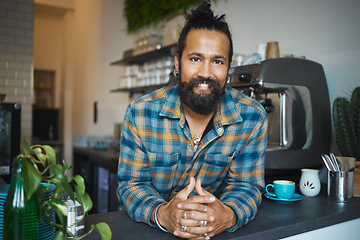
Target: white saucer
{"x":295,"y":198}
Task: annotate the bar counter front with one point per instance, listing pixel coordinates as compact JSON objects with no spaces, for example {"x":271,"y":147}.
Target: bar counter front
{"x":274,"y":220}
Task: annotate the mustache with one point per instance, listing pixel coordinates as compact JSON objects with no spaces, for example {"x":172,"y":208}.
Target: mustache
{"x":194,"y":82}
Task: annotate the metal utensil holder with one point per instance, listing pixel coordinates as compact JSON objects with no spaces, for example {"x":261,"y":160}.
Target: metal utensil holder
{"x":340,"y":186}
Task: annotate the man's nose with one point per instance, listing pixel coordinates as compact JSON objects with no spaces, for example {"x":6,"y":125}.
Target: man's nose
{"x":205,"y":70}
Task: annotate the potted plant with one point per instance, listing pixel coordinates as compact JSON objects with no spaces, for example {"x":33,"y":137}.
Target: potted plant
{"x":142,"y":13}
{"x":346,"y":117}
{"x":39,"y":170}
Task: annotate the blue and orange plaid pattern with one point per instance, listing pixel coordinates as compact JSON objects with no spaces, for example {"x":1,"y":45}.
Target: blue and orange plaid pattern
{"x":157,"y":156}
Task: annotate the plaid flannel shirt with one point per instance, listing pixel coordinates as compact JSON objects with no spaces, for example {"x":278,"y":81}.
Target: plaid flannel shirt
{"x":157,"y":155}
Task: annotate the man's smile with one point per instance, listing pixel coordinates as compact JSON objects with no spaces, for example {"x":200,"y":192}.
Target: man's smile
{"x":203,"y":86}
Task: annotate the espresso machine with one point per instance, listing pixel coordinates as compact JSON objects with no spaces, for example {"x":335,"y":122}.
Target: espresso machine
{"x":294,"y":93}
{"x":10,"y":134}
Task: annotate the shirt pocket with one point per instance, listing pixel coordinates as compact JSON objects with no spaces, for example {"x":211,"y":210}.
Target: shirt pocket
{"x":214,"y":170}
{"x":163,"y":169}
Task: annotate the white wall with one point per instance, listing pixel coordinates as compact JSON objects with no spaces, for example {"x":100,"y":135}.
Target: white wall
{"x":48,"y":44}
{"x":53,"y":44}
{"x":78,"y":39}
{"x":325,"y":31}
{"x":100,"y":39}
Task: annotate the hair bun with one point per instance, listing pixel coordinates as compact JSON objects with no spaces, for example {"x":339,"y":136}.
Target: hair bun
{"x":201,"y":13}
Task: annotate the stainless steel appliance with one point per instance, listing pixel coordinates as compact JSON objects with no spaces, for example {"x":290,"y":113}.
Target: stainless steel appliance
{"x":295,"y":96}
{"x":10,"y":124}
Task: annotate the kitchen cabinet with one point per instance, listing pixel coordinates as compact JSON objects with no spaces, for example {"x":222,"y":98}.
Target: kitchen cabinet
{"x":99,"y":170}
{"x":147,"y":71}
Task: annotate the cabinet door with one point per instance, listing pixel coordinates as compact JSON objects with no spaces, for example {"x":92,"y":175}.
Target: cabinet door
{"x":85,"y":169}
{"x":44,"y":82}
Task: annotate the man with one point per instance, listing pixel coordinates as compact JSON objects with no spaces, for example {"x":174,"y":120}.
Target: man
{"x":198,"y":128}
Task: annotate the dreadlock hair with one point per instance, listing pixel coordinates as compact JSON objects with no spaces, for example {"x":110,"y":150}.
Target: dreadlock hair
{"x":203,"y":18}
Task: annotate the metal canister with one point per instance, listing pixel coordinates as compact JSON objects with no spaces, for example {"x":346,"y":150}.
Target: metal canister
{"x":76,"y":220}
{"x":340,"y":186}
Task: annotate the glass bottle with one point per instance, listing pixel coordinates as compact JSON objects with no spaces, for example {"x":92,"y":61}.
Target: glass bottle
{"x":20,"y":214}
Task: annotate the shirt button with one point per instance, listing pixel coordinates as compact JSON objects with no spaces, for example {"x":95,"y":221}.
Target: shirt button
{"x":220,"y":129}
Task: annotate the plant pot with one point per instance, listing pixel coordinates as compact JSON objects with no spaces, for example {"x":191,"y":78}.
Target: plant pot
{"x":356,"y":184}
{"x":174,"y":25}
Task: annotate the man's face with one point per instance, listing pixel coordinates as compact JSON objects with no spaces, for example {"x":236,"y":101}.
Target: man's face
{"x":204,"y":69}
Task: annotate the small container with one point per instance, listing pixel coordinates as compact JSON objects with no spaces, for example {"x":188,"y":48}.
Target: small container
{"x":310,"y":182}
{"x":272,"y":50}
{"x":76,"y":221}
{"x":340,"y":186}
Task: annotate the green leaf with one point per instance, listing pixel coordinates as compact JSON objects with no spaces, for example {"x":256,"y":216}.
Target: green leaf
{"x":60,"y":209}
{"x":80,"y":183}
{"x":58,"y":204}
{"x":32,"y":178}
{"x":87,"y":202}
{"x":51,"y":156}
{"x":39,"y":154}
{"x":104,"y":230}
{"x":141,"y":13}
{"x":62,"y":180}
{"x":84,"y":199}
{"x":66,"y":167}
{"x":25,"y":146}
{"x":60,"y":235}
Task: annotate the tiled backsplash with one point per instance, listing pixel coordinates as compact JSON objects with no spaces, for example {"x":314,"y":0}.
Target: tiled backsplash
{"x":16,"y":57}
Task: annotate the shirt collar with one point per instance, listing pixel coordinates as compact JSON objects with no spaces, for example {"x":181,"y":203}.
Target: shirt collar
{"x":172,"y":106}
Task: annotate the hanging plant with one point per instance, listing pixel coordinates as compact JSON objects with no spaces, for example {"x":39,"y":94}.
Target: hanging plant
{"x":141,"y":13}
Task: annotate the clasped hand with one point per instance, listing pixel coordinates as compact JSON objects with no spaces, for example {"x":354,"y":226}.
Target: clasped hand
{"x":199,"y":217}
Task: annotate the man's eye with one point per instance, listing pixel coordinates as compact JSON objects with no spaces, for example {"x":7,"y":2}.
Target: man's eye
{"x":218,"y":62}
{"x":195,"y":59}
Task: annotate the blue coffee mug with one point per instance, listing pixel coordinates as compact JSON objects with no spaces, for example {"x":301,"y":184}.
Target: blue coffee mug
{"x":283,"y":189}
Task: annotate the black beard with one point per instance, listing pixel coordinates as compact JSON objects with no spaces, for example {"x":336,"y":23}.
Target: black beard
{"x":203,"y":104}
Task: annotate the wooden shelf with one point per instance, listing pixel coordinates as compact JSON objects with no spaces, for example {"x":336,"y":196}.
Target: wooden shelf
{"x":152,"y":55}
{"x":168,"y":51}
{"x":138,"y":89}
{"x":44,"y":88}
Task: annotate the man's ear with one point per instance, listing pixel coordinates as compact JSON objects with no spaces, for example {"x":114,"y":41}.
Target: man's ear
{"x":176,"y":62}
